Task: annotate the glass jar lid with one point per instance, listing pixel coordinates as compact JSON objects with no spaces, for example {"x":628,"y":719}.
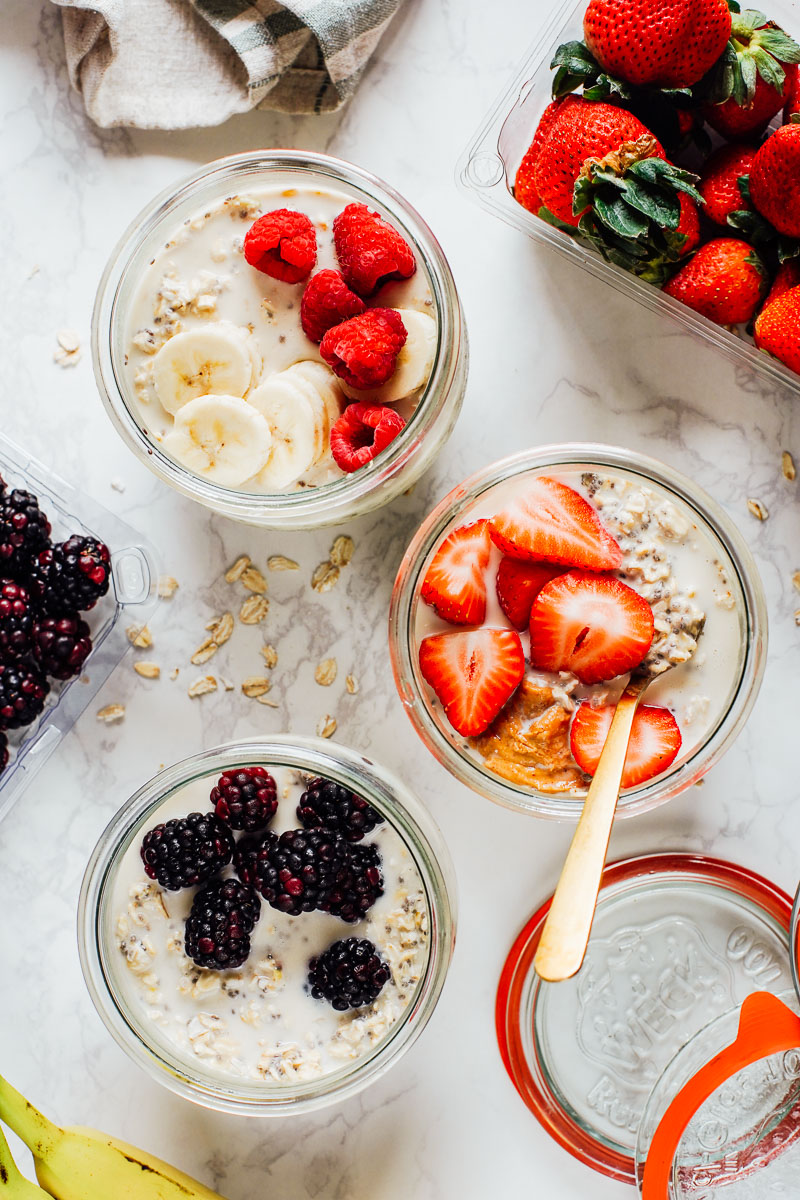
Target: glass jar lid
{"x":678,"y":941}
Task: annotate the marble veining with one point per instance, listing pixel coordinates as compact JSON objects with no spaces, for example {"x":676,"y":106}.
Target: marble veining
{"x":556,"y":356}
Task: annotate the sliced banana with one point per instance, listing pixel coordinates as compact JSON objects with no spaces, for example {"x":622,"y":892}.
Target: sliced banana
{"x":221,"y":438}
{"x":218,"y":360}
{"x":320,"y":386}
{"x":414,"y":362}
{"x":297,"y":428}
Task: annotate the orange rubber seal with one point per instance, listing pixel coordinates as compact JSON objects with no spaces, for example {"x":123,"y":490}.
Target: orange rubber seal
{"x":766,"y":1026}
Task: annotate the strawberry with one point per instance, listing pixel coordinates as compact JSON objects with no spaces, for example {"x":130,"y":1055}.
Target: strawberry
{"x":753,"y":78}
{"x":777,"y":328}
{"x":524,"y":186}
{"x":654,"y":745}
{"x":792,"y":91}
{"x":670,"y":45}
{"x":518,"y":584}
{"x":474,"y":673}
{"x":593,"y":625}
{"x":775,"y":179}
{"x":454,"y":585}
{"x":787,"y":277}
{"x":724,"y":281}
{"x":550,"y":522}
{"x":719,"y":182}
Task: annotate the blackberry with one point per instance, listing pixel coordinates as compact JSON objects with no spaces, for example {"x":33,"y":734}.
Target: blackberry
{"x":73,"y":575}
{"x":218,"y":928}
{"x":3,"y":752}
{"x":246,"y":799}
{"x":349,"y":974}
{"x":16,"y":621}
{"x":329,"y":805}
{"x":23,"y":691}
{"x":24,"y":532}
{"x":61,"y":645}
{"x":293,"y":872}
{"x":357,"y":884}
{"x":187,"y":851}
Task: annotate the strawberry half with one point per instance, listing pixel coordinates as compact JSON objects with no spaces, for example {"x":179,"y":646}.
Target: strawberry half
{"x":518,"y":585}
{"x":454,"y":585}
{"x":655,"y":741}
{"x":551,"y":522}
{"x":593,"y":625}
{"x":473,"y":673}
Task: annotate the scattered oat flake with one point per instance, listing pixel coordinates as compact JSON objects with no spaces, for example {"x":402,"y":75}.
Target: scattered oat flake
{"x":139,"y":636}
{"x":253,"y":580}
{"x":256,"y":685}
{"x":270,"y":656}
{"x":757,"y":509}
{"x":797,"y":616}
{"x":174,"y":673}
{"x":148,"y":670}
{"x":326,"y":672}
{"x":237,"y":570}
{"x":326,"y":727}
{"x":254,"y":610}
{"x":202,"y":686}
{"x":117,"y":485}
{"x":227,"y":684}
{"x":796,"y":580}
{"x":342,"y":551}
{"x":351,"y":684}
{"x":167,"y":586}
{"x":789,"y":469}
{"x":325,"y":577}
{"x":68,"y":340}
{"x":111,"y":714}
{"x":205,"y":651}
{"x":266,"y":700}
{"x":279,"y":562}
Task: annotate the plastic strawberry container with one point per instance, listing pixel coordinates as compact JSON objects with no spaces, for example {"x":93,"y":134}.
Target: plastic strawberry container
{"x":487,"y":169}
{"x":130,"y":600}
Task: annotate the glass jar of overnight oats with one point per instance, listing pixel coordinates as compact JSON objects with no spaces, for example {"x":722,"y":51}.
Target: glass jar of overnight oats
{"x":679,"y":551}
{"x":180,"y":270}
{"x":253,"y":1039}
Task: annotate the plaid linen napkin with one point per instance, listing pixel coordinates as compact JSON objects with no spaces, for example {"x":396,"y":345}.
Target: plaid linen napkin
{"x":178,"y":64}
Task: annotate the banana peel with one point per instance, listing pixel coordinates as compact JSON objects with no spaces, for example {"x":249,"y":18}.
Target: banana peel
{"x":13,"y":1185}
{"x":84,"y":1164}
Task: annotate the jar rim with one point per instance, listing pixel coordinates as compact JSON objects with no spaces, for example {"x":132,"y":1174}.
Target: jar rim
{"x":410,"y":820}
{"x":406,"y":457}
{"x":719,"y":527}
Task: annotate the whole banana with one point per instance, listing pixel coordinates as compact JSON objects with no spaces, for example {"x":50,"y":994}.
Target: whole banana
{"x":82,"y":1164}
{"x":14,"y":1186}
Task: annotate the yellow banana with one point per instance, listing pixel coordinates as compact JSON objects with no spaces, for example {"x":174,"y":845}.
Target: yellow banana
{"x":14,"y":1186}
{"x":82,"y":1164}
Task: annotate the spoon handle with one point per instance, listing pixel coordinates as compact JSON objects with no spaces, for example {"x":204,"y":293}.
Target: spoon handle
{"x":569,"y":922}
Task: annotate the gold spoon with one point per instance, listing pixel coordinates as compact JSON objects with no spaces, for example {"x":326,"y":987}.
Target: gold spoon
{"x":565,"y":936}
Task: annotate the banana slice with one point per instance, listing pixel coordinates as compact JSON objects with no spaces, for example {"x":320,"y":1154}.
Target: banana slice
{"x":414,"y":362}
{"x":217,"y":360}
{"x":297,"y":428}
{"x":221,"y":438}
{"x":321,"y":387}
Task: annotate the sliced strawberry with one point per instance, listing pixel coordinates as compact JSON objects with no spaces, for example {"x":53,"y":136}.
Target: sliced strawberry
{"x":454,"y":584}
{"x":655,"y":741}
{"x":473,"y":673}
{"x":518,"y":585}
{"x":593,"y":625}
{"x":551,"y":522}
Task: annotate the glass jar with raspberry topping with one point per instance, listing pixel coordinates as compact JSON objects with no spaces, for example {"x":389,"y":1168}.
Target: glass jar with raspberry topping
{"x":532,"y":591}
{"x":280,"y":338}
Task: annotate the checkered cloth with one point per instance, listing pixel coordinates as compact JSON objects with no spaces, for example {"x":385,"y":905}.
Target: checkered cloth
{"x":175,"y":64}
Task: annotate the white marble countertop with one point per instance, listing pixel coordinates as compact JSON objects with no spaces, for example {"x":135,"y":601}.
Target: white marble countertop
{"x":555,"y":356}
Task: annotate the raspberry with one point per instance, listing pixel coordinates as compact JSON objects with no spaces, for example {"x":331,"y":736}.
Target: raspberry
{"x":327,"y":301}
{"x":61,"y":645}
{"x":16,"y":621}
{"x":349,"y":974}
{"x":218,"y":928}
{"x":361,"y":432}
{"x":246,"y":799}
{"x":282,"y":244}
{"x":363,"y":351}
{"x":369,"y":250}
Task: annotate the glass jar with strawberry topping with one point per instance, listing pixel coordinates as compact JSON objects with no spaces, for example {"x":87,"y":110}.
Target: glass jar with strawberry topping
{"x":533,"y":591}
{"x":280,"y":338}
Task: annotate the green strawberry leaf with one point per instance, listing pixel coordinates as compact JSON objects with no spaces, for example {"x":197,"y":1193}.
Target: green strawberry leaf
{"x":577,"y":57}
{"x":744,"y":187}
{"x":607,"y":87}
{"x":619,"y":218}
{"x":753,"y":227}
{"x":734,"y":6}
{"x":768,"y":68}
{"x":582,"y":195}
{"x":787,"y":248}
{"x":545,"y":214}
{"x":660,"y":206}
{"x":747,"y":80}
{"x":780,"y":45}
{"x":748,"y":21}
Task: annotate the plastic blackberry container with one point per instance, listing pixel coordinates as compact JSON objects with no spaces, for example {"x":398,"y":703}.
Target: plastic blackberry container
{"x":131,"y":595}
{"x":488,"y":167}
